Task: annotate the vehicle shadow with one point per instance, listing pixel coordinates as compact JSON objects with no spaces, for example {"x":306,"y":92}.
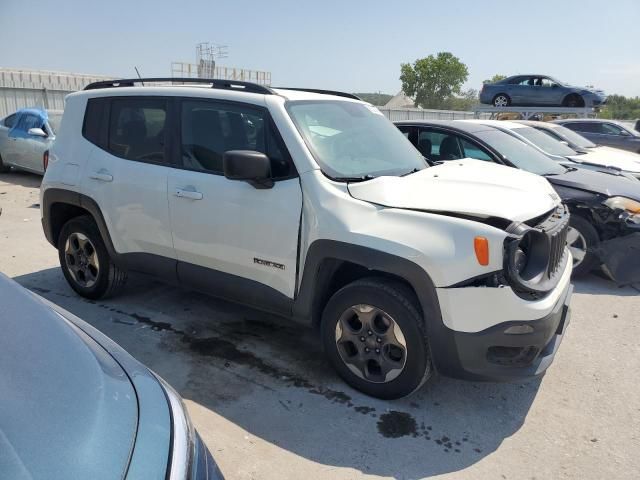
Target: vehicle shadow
{"x":598,"y":284}
{"x":269,"y":377}
{"x":24,"y":179}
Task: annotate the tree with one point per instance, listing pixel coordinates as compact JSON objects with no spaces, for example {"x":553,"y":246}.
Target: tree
{"x":463,"y":102}
{"x":432,"y":81}
{"x":378,"y":98}
{"x":621,"y":108}
{"x":496,"y":78}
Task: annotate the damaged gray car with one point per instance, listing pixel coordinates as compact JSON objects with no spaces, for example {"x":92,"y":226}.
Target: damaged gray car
{"x":604,"y":229}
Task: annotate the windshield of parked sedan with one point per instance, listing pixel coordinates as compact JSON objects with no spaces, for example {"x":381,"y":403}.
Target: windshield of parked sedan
{"x":520,"y":154}
{"x":353,"y":141}
{"x":573,"y":137}
{"x":544,"y":142}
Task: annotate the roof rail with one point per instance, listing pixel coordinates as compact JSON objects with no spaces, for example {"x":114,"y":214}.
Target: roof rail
{"x":214,"y":82}
{"x":324,"y":92}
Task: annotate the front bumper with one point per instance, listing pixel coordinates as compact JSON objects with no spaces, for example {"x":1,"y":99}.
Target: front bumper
{"x":490,"y":354}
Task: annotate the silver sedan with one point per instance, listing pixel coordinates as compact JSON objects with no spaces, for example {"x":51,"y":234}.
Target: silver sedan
{"x":25,"y":139}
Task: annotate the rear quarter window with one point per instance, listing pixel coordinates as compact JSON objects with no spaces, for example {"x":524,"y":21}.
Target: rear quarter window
{"x":92,"y":128}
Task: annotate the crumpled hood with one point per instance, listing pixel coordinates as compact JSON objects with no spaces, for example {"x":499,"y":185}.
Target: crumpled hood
{"x":611,"y":157}
{"x":467,"y":187}
{"x":598,"y":182}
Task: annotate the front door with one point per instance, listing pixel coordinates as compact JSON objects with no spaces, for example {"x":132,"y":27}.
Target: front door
{"x":239,"y":241}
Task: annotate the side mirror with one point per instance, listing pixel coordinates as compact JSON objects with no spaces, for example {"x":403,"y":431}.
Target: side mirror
{"x":248,"y":165}
{"x":36,"y":132}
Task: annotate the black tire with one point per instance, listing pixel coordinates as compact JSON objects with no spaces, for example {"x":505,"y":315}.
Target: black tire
{"x":573,"y":101}
{"x":3,"y":168}
{"x":399,"y":303}
{"x":499,"y":99}
{"x":591,"y":238}
{"x":109,"y":278}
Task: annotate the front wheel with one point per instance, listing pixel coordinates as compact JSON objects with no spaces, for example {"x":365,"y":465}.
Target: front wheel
{"x":373,"y":335}
{"x":581,"y":240}
{"x":574,"y":101}
{"x":3,"y":168}
{"x":85,"y":261}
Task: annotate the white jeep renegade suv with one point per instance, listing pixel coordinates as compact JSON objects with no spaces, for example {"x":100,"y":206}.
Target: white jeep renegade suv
{"x":310,"y":204}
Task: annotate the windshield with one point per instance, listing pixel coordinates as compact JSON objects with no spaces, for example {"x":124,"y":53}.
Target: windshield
{"x":520,"y":154}
{"x":545,"y":142}
{"x":353,"y":141}
{"x":572,"y":137}
{"x":54,"y":121}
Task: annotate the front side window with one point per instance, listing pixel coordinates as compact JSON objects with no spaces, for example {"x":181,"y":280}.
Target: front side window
{"x":353,"y":141}
{"x":137,"y":129}
{"x":209,"y":129}
{"x":570,"y":136}
{"x":610,"y":129}
{"x":28,"y":121}
{"x":587,"y":127}
{"x":472,"y":150}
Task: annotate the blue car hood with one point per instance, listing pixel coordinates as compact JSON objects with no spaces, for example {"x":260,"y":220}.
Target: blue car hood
{"x":67,"y":409}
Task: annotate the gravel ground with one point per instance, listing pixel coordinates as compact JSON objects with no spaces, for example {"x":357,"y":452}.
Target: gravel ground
{"x":269,"y":407}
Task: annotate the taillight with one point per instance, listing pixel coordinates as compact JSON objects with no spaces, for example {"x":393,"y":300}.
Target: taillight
{"x":45,"y":160}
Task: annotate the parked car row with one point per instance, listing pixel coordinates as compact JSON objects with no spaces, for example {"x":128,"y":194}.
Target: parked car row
{"x":604,"y":204}
{"x":409,"y":257}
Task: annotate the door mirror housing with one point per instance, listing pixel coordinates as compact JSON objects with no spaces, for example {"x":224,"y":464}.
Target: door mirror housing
{"x":37,"y":132}
{"x":248,"y":165}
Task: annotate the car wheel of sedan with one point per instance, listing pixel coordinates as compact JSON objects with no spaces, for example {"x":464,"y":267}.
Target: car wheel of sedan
{"x":374,"y":336}
{"x":581,"y":239}
{"x":4,"y":168}
{"x":85,"y":261}
{"x":501,"y":100}
{"x":573,"y":101}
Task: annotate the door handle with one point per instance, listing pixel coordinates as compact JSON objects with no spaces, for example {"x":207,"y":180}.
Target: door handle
{"x":190,"y":194}
{"x":102,"y":175}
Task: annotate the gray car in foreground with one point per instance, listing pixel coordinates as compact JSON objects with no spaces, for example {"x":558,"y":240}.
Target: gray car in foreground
{"x":605,"y":132}
{"x":75,"y":405}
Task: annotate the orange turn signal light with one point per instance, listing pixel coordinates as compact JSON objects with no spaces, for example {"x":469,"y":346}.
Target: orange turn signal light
{"x":481,"y":246}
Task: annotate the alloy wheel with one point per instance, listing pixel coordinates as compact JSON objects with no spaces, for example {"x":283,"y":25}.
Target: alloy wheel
{"x":501,"y":101}
{"x":577,"y":244}
{"x":82,"y":260}
{"x":371,"y":343}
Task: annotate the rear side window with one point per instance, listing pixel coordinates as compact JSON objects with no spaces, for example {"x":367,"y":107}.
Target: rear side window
{"x":94,"y":114}
{"x":137,"y":129}
{"x":584,"y":127}
{"x":10,"y":121}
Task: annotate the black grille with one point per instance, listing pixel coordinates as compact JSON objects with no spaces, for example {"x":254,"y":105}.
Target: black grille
{"x":555,"y":226}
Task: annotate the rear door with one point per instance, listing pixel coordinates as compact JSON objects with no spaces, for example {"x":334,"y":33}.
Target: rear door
{"x":229,"y":236}
{"x":6,"y":143}
{"x":127,"y":173}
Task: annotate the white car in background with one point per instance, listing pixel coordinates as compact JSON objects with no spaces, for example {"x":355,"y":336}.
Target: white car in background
{"x":597,"y":154}
{"x":607,"y":161}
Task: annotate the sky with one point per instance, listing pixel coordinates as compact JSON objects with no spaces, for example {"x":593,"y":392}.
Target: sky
{"x":355,"y":46}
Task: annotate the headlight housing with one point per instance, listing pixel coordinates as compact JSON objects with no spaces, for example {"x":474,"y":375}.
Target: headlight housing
{"x":623,"y":203}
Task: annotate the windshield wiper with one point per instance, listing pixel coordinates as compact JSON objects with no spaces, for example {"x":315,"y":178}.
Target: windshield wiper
{"x":363,"y":178}
{"x":409,"y":173}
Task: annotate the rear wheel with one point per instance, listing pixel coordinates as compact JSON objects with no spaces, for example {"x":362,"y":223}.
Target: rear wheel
{"x":3,"y":168}
{"x":573,"y":101}
{"x":581,"y":239}
{"x":374,"y":337}
{"x":85,"y":261}
{"x":501,"y":100}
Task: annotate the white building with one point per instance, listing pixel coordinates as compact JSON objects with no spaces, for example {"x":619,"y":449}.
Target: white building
{"x":37,"y":88}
